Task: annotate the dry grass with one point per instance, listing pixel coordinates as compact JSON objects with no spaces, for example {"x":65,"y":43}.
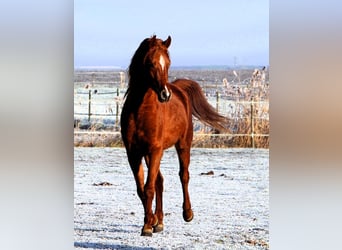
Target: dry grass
{"x":248,"y":112}
{"x":199,"y":141}
{"x":97,"y":139}
{"x":261,"y":126}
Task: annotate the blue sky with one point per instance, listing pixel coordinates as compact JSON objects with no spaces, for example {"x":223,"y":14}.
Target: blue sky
{"x":216,"y":32}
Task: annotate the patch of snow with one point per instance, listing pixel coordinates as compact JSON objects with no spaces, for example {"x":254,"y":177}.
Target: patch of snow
{"x":231,"y":207}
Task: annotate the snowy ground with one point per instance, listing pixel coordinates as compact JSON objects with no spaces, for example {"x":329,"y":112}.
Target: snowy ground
{"x":231,"y":206}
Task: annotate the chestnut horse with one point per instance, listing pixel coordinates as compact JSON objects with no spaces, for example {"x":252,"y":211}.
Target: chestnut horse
{"x":155,"y":116}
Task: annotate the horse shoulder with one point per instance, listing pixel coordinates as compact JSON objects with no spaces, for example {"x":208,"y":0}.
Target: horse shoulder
{"x":181,"y":96}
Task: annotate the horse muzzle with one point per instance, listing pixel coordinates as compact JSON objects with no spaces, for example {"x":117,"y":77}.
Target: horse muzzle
{"x":164,"y":95}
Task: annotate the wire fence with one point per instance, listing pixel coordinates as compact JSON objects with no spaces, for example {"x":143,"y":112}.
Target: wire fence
{"x":98,"y":105}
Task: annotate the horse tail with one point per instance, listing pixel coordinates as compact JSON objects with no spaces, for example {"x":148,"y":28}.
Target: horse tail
{"x":201,"y":109}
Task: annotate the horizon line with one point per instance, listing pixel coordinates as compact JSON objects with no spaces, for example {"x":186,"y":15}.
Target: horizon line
{"x":175,"y":67}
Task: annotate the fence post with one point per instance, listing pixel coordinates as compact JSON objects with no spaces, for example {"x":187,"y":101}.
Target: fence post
{"x":217,"y":100}
{"x":252,"y":123}
{"x":89,"y":105}
{"x":117,"y":108}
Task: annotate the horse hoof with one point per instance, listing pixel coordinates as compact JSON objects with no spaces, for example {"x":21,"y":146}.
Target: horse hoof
{"x":158,"y":228}
{"x":146,"y":232}
{"x":188,"y":215}
{"x":155,"y":221}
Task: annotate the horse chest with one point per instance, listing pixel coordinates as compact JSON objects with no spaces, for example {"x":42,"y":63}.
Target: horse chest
{"x":149,"y":123}
{"x":155,"y":125}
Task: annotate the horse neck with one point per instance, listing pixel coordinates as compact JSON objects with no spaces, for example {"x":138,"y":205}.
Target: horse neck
{"x":136,"y":92}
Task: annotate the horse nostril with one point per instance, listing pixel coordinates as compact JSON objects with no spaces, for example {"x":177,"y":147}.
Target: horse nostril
{"x":163,"y":95}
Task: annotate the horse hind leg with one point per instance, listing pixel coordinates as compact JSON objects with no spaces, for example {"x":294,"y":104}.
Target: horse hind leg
{"x":184,"y":161}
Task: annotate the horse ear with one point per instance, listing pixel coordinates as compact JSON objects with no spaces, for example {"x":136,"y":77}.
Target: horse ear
{"x":167,"y":42}
{"x":153,"y":38}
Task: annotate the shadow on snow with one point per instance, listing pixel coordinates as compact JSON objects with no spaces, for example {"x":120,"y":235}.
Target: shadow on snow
{"x":108,"y":246}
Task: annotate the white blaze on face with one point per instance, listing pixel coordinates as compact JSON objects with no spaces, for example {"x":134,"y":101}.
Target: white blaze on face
{"x":167,"y":91}
{"x":162,"y":65}
{"x":162,"y":62}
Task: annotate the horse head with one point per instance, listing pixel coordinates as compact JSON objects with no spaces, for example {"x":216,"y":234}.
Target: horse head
{"x":157,"y":63}
{"x":151,"y":62}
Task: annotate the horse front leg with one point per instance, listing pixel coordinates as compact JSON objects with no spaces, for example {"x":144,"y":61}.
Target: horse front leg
{"x":159,"y":203}
{"x":138,"y":172}
{"x":159,"y":200}
{"x":153,"y":164}
{"x":184,"y":161}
